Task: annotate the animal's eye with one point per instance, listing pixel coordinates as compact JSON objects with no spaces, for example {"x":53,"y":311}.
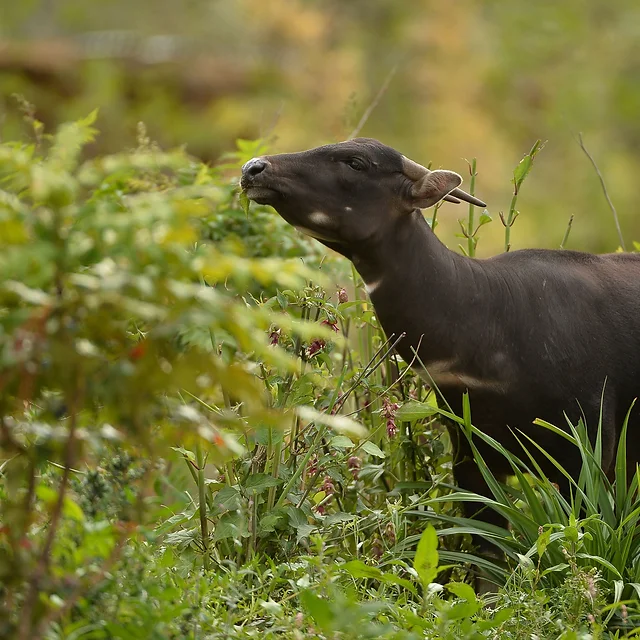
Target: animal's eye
{"x":356,"y":164}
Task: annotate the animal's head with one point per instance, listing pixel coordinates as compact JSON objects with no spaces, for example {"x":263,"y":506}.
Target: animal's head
{"x":345,"y":193}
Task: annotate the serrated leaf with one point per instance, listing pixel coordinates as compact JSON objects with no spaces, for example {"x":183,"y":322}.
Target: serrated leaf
{"x":231,"y":525}
{"x":270,"y":521}
{"x":227,"y":499}
{"x":183,"y":536}
{"x":337,"y":518}
{"x":259,"y":482}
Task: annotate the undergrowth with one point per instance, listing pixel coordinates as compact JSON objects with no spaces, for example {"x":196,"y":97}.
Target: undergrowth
{"x":206,"y":434}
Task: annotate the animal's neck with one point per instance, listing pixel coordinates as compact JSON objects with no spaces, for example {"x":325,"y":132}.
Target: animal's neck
{"x":417,"y":286}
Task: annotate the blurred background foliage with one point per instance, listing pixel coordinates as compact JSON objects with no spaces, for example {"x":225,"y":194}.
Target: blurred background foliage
{"x":479,"y":78}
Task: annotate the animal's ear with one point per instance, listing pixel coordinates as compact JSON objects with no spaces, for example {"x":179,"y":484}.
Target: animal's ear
{"x":433,"y":186}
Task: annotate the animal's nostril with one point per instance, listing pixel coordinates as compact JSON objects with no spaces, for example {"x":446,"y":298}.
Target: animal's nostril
{"x":254,"y":167}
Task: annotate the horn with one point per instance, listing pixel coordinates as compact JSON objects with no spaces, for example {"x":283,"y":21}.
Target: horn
{"x":462,"y":195}
{"x":413,"y":170}
{"x":451,"y":199}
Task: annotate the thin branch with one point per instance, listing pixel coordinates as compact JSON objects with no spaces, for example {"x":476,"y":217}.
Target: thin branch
{"x":369,"y":110}
{"x":604,"y":189}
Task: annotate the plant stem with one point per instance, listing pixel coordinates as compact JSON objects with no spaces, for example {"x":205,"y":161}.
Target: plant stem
{"x":471,"y":241}
{"x":302,"y":466}
{"x":604,"y":189}
{"x":202,"y":504}
{"x":42,"y":568}
{"x":566,"y":233}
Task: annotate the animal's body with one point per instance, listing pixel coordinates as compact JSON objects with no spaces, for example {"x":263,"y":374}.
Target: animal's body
{"x":529,"y":334}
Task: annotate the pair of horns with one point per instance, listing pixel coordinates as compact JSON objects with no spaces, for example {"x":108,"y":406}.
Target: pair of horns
{"x":415,"y":171}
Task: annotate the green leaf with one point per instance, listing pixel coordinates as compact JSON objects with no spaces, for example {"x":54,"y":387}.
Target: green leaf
{"x":426,"y":559}
{"x":462,"y":590}
{"x":183,"y":537}
{"x":245,"y":203}
{"x":189,"y":455}
{"x":259,"y":482}
{"x":524,"y":166}
{"x":227,"y":499}
{"x":543,"y":542}
{"x":571,"y":534}
{"x":392,"y":578}
{"x":485,"y":218}
{"x":231,"y":525}
{"x":318,"y":608}
{"x":412,"y":411}
{"x":273,"y":520}
{"x":373,"y":449}
{"x":341,"y":442}
{"x":359,"y":569}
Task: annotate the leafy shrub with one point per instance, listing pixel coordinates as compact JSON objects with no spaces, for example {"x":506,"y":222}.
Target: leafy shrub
{"x":101,"y":271}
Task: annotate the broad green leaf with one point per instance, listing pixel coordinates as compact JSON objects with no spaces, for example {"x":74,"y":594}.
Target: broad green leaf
{"x":259,"y":482}
{"x":318,"y":608}
{"x":359,"y":569}
{"x":412,"y":411}
{"x":373,"y":449}
{"x":341,"y":442}
{"x":462,"y":590}
{"x":425,"y":561}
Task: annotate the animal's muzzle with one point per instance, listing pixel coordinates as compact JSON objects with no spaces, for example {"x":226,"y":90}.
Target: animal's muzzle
{"x":254,"y":167}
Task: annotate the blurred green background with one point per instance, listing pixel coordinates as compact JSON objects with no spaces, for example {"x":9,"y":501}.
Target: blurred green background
{"x":480,"y":79}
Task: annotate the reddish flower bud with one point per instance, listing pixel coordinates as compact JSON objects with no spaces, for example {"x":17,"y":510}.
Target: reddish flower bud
{"x":342,"y":295}
{"x":332,"y":324}
{"x":353,"y":464}
{"x":312,"y":465}
{"x":137,"y":351}
{"x":315,"y":346}
{"x":376,"y":548}
{"x":327,"y":486}
{"x":389,"y":412}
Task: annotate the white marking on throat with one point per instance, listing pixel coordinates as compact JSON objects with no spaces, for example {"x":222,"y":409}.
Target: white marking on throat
{"x":320,"y":218}
{"x":370,"y":287}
